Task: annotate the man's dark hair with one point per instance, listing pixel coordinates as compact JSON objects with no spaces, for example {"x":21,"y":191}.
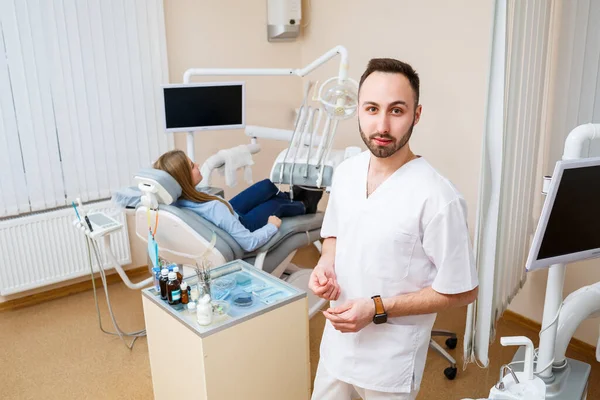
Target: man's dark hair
{"x":393,"y":66}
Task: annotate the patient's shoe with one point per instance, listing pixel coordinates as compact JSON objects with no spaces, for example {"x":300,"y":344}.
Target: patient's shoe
{"x":298,"y":192}
{"x":311,"y":199}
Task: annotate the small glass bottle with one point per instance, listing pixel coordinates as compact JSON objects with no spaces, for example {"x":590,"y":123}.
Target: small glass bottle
{"x":162,"y":263}
{"x":179,"y":276}
{"x":191,"y":307}
{"x":185,"y":298}
{"x":194,"y":294}
{"x":173,"y":289}
{"x":164,"y":277}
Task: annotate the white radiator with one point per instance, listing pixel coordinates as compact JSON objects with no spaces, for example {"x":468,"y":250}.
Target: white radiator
{"x":45,"y":248}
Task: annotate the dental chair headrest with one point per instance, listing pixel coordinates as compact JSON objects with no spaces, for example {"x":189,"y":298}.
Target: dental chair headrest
{"x":160,"y":183}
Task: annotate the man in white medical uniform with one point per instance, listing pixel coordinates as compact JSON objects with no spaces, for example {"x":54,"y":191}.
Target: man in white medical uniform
{"x":396,"y":250}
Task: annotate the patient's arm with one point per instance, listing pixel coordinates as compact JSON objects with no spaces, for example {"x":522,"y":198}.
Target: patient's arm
{"x":249,"y":241}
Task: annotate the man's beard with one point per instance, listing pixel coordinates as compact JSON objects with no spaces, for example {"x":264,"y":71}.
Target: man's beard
{"x":390,"y":149}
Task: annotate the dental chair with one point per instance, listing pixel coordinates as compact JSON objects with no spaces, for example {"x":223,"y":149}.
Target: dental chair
{"x":180,"y":230}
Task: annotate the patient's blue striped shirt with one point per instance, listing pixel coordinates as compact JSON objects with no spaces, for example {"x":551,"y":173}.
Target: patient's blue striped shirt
{"x":218,"y":213}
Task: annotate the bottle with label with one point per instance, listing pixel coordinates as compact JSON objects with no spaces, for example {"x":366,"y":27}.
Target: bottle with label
{"x":156,"y":274}
{"x":179,"y":276}
{"x":185,"y":297}
{"x":164,"y":277}
{"x":173,"y":289}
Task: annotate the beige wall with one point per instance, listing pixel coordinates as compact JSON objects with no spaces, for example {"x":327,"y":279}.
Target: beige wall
{"x":448,"y":43}
{"x":232,"y":34}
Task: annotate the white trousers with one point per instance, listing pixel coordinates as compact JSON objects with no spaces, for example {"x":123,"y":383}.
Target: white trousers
{"x":327,"y":387}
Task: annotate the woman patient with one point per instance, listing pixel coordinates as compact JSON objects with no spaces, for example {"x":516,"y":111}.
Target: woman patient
{"x":251,"y":217}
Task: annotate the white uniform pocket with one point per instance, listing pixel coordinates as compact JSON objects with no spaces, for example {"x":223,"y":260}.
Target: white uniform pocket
{"x":395,"y":255}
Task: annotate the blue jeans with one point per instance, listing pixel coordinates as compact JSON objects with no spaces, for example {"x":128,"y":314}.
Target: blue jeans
{"x":257,"y":203}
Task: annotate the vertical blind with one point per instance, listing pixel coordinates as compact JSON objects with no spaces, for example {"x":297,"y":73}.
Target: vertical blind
{"x":80,"y":98}
{"x":515,"y":113}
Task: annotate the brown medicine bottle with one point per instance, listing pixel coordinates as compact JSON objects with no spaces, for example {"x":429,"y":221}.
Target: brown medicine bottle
{"x":179,"y":275}
{"x":173,"y":289}
{"x":162,"y":281}
{"x":185,"y":298}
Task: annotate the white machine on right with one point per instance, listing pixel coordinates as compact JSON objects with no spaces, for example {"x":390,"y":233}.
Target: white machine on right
{"x":568,"y":231}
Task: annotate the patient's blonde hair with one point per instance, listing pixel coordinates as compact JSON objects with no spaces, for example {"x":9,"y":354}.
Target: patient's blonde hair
{"x":177,"y":164}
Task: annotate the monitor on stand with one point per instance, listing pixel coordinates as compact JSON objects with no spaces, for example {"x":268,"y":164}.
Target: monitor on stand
{"x":204,"y":106}
{"x":569,"y":226}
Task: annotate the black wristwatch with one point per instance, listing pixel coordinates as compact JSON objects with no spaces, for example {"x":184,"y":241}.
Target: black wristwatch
{"x":380,"y":314}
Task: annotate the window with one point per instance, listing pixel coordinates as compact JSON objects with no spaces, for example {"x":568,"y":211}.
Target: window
{"x":80,"y":99}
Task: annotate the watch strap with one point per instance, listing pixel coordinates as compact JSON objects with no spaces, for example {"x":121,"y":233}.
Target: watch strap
{"x":379,"y":309}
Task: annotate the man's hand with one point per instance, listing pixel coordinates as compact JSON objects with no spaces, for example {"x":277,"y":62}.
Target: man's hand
{"x":352,"y":316}
{"x":323,"y":281}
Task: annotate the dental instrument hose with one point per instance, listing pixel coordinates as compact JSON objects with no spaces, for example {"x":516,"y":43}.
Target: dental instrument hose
{"x":118,"y":332}
{"x":536,"y":351}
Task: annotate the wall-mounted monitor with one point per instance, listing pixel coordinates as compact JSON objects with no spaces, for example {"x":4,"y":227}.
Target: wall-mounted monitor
{"x":569,"y":227}
{"x":204,"y":106}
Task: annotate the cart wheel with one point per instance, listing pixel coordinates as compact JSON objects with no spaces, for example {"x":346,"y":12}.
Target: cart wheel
{"x":451,"y":343}
{"x":450,"y":373}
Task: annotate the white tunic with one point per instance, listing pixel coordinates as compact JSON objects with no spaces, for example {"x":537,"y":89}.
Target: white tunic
{"x":410,"y":233}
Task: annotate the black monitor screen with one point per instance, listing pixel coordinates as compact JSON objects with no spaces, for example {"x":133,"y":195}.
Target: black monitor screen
{"x":203,"y":106}
{"x":574,"y":222}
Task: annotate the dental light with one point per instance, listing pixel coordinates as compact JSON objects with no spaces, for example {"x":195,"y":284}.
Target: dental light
{"x":339,"y":97}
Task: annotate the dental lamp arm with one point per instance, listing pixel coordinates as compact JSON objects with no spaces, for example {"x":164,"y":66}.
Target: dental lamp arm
{"x":275,"y":134}
{"x":343,"y":71}
{"x":426,"y":301}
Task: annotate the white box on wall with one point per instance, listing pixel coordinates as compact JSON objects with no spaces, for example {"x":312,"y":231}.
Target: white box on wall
{"x":283,"y":20}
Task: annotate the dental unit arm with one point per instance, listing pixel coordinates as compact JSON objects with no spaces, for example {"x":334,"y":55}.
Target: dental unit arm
{"x":578,"y":306}
{"x":105,"y":234}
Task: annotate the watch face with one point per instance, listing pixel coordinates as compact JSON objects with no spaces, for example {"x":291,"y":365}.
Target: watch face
{"x":380,"y":319}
